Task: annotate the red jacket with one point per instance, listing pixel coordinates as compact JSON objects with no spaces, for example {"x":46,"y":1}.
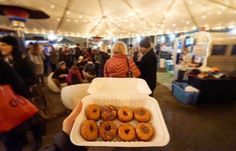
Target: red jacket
{"x":117,"y":66}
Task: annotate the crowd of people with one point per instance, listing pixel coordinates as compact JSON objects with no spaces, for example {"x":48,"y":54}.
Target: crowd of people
{"x":23,"y":69}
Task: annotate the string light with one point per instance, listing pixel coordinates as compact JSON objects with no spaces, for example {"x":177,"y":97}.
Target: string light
{"x":52,"y":6}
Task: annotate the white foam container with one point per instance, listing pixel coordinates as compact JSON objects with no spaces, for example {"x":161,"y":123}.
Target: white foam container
{"x":136,"y":98}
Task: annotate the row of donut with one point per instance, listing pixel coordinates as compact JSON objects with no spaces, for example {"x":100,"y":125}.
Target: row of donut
{"x":107,"y":130}
{"x":110,"y":113}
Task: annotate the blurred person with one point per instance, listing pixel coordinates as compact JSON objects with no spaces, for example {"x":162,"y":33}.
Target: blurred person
{"x":137,"y":56}
{"x":81,"y":63}
{"x":61,"y":54}
{"x":68,"y":57}
{"x":54,"y":59}
{"x":61,"y":140}
{"x":59,"y":76}
{"x":117,"y":65}
{"x":36,"y":56}
{"x":89,"y":72}
{"x":148,"y":63}
{"x":13,"y":140}
{"x":88,"y":55}
{"x":46,"y":52}
{"x":21,"y":64}
{"x":104,"y":56}
{"x":74,"y":76}
{"x":78,"y":51}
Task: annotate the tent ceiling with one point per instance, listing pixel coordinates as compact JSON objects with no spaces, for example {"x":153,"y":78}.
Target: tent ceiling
{"x":124,"y":18}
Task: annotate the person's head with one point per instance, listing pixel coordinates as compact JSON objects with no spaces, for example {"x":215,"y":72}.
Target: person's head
{"x":145,"y":45}
{"x":81,"y":58}
{"x":89,"y":71}
{"x":62,"y":65}
{"x":36,"y":48}
{"x":74,"y":69}
{"x":78,"y":45}
{"x":9,"y":46}
{"x":119,"y":48}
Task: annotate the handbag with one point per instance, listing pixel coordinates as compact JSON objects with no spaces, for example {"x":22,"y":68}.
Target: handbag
{"x":14,"y":109}
{"x":129,"y":74}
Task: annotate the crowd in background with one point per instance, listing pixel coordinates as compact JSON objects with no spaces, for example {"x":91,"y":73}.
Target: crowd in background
{"x":22,"y":69}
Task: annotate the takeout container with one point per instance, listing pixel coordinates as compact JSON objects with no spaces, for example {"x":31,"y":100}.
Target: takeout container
{"x":120,"y":92}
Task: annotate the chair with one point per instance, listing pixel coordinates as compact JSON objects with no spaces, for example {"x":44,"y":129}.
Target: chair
{"x":71,"y":95}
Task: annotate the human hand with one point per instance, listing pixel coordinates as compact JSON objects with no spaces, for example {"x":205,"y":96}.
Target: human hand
{"x":69,"y":121}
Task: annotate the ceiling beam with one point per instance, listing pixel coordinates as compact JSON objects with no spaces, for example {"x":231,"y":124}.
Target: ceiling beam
{"x":63,"y":15}
{"x":190,"y":13}
{"x":167,"y":11}
{"x":137,"y":14}
{"x":223,"y":4}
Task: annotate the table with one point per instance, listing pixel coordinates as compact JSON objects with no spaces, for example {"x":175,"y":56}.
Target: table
{"x":214,"y":89}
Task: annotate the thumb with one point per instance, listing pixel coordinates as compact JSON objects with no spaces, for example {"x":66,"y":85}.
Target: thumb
{"x":76,"y":111}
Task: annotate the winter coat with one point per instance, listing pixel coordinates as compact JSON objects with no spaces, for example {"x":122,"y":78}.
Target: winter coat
{"x":117,"y":66}
{"x":148,"y":68}
{"x":37,"y":59}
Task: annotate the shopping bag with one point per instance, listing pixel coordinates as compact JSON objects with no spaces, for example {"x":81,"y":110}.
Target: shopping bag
{"x":14,"y":109}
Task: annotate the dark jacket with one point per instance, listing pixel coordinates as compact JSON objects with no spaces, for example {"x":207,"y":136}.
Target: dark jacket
{"x":148,"y":68}
{"x":59,"y":72}
{"x":61,"y":142}
{"x":25,"y":69}
{"x":9,"y":76}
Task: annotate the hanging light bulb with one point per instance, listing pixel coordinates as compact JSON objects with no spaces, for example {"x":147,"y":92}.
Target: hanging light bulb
{"x":52,"y":6}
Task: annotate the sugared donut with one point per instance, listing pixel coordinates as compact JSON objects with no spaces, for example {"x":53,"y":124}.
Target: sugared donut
{"x":144,"y":131}
{"x":107,"y":130}
{"x":89,"y":130}
{"x":93,"y":112}
{"x":108,"y":113}
{"x":125,"y":114}
{"x":141,"y":114}
{"x":126,"y":132}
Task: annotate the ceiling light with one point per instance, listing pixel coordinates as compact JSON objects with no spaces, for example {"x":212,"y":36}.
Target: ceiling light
{"x":68,"y":20}
{"x":173,"y":25}
{"x":58,"y":19}
{"x":203,"y":17}
{"x":68,"y":12}
{"x":76,"y":21}
{"x":219,"y":12}
{"x":188,"y":22}
{"x":52,"y":6}
{"x":80,"y":16}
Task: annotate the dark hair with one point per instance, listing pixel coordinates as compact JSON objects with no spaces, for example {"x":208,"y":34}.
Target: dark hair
{"x":145,"y":43}
{"x":90,"y":69}
{"x":16,"y":49}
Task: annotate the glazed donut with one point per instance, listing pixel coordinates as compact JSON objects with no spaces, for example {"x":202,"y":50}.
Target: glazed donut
{"x":144,"y":131}
{"x":142,"y":115}
{"x":126,"y":132}
{"x":108,"y":113}
{"x":125,"y":114}
{"x":93,"y":112}
{"x":89,"y":130}
{"x":107,"y":130}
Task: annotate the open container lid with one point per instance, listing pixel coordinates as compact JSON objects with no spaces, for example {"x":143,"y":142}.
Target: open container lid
{"x":119,"y":86}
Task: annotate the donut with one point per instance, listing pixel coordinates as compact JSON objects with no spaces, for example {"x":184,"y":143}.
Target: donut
{"x":108,"y":113}
{"x":89,"y":130}
{"x":141,"y":114}
{"x":93,"y":112}
{"x":125,"y":114}
{"x":107,"y":130}
{"x":144,"y":131}
{"x":126,"y":132}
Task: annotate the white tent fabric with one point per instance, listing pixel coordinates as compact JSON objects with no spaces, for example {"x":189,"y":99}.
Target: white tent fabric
{"x":126,"y":18}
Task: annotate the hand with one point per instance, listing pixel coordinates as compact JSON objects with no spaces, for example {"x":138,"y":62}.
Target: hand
{"x":69,"y":121}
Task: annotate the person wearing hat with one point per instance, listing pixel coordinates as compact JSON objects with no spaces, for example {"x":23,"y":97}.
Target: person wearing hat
{"x":60,"y":74}
{"x":148,"y":63}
